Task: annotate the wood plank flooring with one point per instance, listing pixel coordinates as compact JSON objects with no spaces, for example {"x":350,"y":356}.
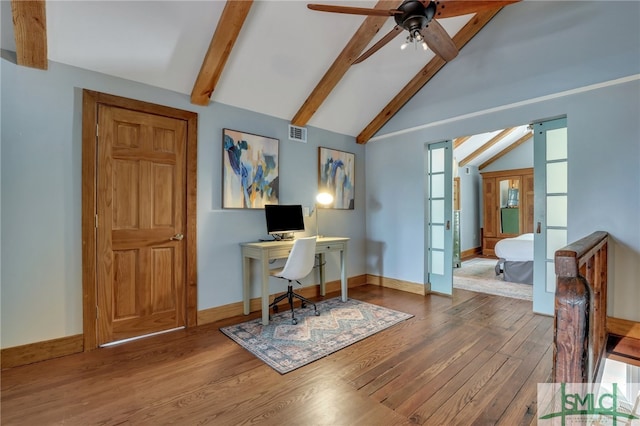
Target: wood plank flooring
{"x":467,"y":359}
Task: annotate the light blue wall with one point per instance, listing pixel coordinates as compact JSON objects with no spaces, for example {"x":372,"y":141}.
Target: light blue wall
{"x":470,"y":207}
{"x":534,"y":49}
{"x":529,"y":49}
{"x":41,"y":197}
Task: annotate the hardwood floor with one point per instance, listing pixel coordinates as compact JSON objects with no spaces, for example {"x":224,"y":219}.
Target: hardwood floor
{"x":470,"y":359}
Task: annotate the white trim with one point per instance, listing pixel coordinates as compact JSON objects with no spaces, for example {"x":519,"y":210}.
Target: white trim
{"x":510,"y":106}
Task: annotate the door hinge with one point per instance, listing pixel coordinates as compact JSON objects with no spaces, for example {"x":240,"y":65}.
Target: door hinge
{"x":96,"y":222}
{"x":97,"y":130}
{"x":97,"y":312}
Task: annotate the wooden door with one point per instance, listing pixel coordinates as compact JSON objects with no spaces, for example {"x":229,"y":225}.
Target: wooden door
{"x":456,"y":193}
{"x":140,"y":209}
{"x":527,"y":203}
{"x":489,"y":209}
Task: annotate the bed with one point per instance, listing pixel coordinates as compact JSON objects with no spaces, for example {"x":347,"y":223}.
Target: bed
{"x":515,"y":259}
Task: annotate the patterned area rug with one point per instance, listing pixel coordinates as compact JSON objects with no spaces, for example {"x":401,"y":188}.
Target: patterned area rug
{"x":286,"y":347}
{"x":479,"y":275}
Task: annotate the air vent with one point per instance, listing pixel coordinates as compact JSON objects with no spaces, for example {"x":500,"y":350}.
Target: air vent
{"x":297,"y":133}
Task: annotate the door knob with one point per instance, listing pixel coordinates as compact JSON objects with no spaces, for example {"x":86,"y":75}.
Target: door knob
{"x":177,"y":237}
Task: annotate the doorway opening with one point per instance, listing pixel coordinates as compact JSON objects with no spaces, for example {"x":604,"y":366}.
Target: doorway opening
{"x":494,"y":201}
{"x":522,"y":202}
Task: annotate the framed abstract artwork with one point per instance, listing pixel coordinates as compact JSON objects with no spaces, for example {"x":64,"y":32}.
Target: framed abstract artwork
{"x":336,"y":175}
{"x":250,"y":170}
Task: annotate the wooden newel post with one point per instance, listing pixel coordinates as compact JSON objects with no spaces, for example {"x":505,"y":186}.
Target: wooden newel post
{"x":570,"y":351}
{"x":580,"y":310}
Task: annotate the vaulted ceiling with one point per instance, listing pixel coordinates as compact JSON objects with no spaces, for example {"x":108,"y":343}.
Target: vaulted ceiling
{"x":274,"y":57}
{"x":483,"y":149}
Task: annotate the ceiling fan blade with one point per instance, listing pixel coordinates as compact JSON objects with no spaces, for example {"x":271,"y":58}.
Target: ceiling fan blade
{"x":384,"y":40}
{"x":353,"y":10}
{"x":449,"y":8}
{"x":439,"y":41}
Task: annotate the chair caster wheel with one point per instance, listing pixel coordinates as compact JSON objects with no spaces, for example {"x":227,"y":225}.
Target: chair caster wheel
{"x":317,"y":313}
{"x":294,"y":321}
{"x":275,"y":309}
{"x":303,"y":305}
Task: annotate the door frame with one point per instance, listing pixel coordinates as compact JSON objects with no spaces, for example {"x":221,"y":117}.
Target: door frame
{"x":90,"y":101}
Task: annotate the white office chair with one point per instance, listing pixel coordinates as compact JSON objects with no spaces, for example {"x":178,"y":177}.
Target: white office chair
{"x":299,"y":264}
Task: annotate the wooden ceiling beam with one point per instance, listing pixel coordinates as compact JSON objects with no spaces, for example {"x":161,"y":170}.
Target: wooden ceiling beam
{"x":459,"y":141}
{"x":491,"y":142}
{"x":505,"y":151}
{"x":460,"y":39}
{"x":363,"y":36}
{"x":231,"y":21}
{"x":30,"y":32}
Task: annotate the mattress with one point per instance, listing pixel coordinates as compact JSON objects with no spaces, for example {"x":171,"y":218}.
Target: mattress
{"x":518,"y":249}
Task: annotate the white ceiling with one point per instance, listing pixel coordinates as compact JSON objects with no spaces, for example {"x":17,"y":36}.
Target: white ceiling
{"x":282,"y":52}
{"x":477,"y":141}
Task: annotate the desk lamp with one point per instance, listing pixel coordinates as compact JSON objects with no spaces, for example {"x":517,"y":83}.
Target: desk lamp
{"x":323,"y":199}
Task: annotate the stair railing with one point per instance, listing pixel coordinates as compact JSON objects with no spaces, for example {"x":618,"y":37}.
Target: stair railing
{"x":580,"y":333}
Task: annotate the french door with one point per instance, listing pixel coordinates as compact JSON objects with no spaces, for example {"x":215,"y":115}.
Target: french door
{"x":551,"y":191}
{"x":438,"y":218}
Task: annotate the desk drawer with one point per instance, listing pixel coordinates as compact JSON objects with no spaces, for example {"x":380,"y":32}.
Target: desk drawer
{"x":324,"y":248}
{"x":279,"y":253}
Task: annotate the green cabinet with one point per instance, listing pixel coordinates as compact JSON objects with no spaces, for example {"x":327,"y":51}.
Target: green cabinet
{"x":510,"y":220}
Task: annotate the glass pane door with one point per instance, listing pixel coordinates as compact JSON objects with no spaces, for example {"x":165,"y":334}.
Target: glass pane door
{"x":439,"y":213}
{"x":551,"y":194}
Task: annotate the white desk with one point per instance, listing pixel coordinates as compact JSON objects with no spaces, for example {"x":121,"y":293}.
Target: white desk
{"x":264,"y":251}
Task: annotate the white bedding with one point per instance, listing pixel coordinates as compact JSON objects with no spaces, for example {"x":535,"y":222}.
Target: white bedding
{"x":518,"y":249}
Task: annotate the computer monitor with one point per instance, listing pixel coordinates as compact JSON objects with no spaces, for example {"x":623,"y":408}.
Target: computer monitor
{"x":283,"y":220}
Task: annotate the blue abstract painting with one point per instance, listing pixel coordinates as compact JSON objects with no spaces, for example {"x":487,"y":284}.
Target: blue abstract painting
{"x":250,"y":170}
{"x":336,"y":175}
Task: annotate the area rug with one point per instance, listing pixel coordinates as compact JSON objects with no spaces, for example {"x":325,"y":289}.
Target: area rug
{"x":479,"y":275}
{"x":285,"y":346}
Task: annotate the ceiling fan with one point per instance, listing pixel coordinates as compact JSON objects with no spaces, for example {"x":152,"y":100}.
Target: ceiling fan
{"x":417,"y":17}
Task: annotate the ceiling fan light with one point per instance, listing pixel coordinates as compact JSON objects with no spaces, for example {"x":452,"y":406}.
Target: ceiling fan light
{"x":424,"y":45}
{"x":414,"y":23}
{"x":404,"y":45}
